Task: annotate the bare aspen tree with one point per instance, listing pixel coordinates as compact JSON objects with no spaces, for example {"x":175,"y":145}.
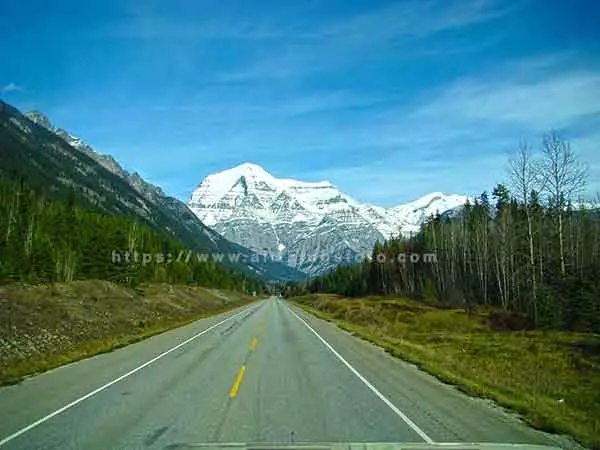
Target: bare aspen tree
{"x":480,"y":254}
{"x":132,"y":237}
{"x":525,"y":178}
{"x":564,"y":177}
{"x":14,"y":207}
{"x":437,"y":247}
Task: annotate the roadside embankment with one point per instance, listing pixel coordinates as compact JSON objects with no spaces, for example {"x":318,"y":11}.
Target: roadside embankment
{"x":42,"y":327}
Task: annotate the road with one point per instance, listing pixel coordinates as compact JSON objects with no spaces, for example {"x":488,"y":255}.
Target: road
{"x":268,"y":372}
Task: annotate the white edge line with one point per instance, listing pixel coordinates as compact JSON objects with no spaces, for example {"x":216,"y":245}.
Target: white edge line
{"x":116,"y":380}
{"x":393,"y":407}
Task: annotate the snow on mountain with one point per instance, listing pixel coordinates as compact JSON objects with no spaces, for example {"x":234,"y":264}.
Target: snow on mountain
{"x":311,"y":226}
{"x":249,"y":188}
{"x":411,"y":215}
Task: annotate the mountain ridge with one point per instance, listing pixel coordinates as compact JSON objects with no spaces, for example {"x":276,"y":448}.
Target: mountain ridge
{"x":312,"y":225}
{"x":107,"y":161}
{"x":59,"y":163}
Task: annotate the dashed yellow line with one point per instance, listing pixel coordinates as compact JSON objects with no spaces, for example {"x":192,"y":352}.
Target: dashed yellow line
{"x":240,"y":376}
{"x":238,"y":381}
{"x":253,"y":343}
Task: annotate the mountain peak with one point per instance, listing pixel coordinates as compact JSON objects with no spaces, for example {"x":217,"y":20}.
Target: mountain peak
{"x":313,"y":220}
{"x":414,"y":213}
{"x":251,"y":179}
{"x":40,"y":118}
{"x":249,"y":167}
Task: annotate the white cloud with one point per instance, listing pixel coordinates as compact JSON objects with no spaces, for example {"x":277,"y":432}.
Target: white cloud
{"x":258,"y":105}
{"x":151,"y":26}
{"x":407,"y":24}
{"x":417,"y":18}
{"x":557,"y":101}
{"x":458,"y":139}
{"x":13,"y":87}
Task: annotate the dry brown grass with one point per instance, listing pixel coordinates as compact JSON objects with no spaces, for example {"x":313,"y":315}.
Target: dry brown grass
{"x":42,"y":327}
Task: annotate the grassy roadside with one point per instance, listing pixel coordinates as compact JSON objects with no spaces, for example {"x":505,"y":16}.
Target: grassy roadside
{"x":551,"y":378}
{"x":43,"y":327}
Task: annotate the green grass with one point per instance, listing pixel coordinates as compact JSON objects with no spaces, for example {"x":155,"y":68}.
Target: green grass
{"x":43,"y":327}
{"x":551,"y":378}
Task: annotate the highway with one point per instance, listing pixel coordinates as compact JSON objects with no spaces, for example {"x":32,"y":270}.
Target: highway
{"x":267,"y":372}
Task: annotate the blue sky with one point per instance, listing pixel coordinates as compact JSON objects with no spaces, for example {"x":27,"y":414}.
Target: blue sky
{"x":387,"y":100}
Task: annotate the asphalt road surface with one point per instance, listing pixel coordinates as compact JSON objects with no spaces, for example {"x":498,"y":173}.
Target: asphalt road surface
{"x":268,"y":372}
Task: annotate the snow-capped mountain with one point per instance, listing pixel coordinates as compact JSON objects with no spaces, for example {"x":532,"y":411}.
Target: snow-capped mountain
{"x":410,"y":216}
{"x":311,"y":226}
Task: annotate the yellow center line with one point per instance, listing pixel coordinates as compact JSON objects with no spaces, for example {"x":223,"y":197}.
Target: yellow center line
{"x":238,"y":381}
{"x":240,"y":375}
{"x":253,"y":343}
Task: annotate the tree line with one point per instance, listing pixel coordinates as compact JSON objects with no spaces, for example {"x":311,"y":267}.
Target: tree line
{"x":531,"y":248}
{"x":44,"y":240}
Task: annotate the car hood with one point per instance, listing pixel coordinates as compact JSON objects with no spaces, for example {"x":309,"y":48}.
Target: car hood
{"x":361,"y":446}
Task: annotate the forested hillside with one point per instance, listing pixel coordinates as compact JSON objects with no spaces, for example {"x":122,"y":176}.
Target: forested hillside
{"x":529,"y":249}
{"x":48,"y":163}
{"x":47,"y":240}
